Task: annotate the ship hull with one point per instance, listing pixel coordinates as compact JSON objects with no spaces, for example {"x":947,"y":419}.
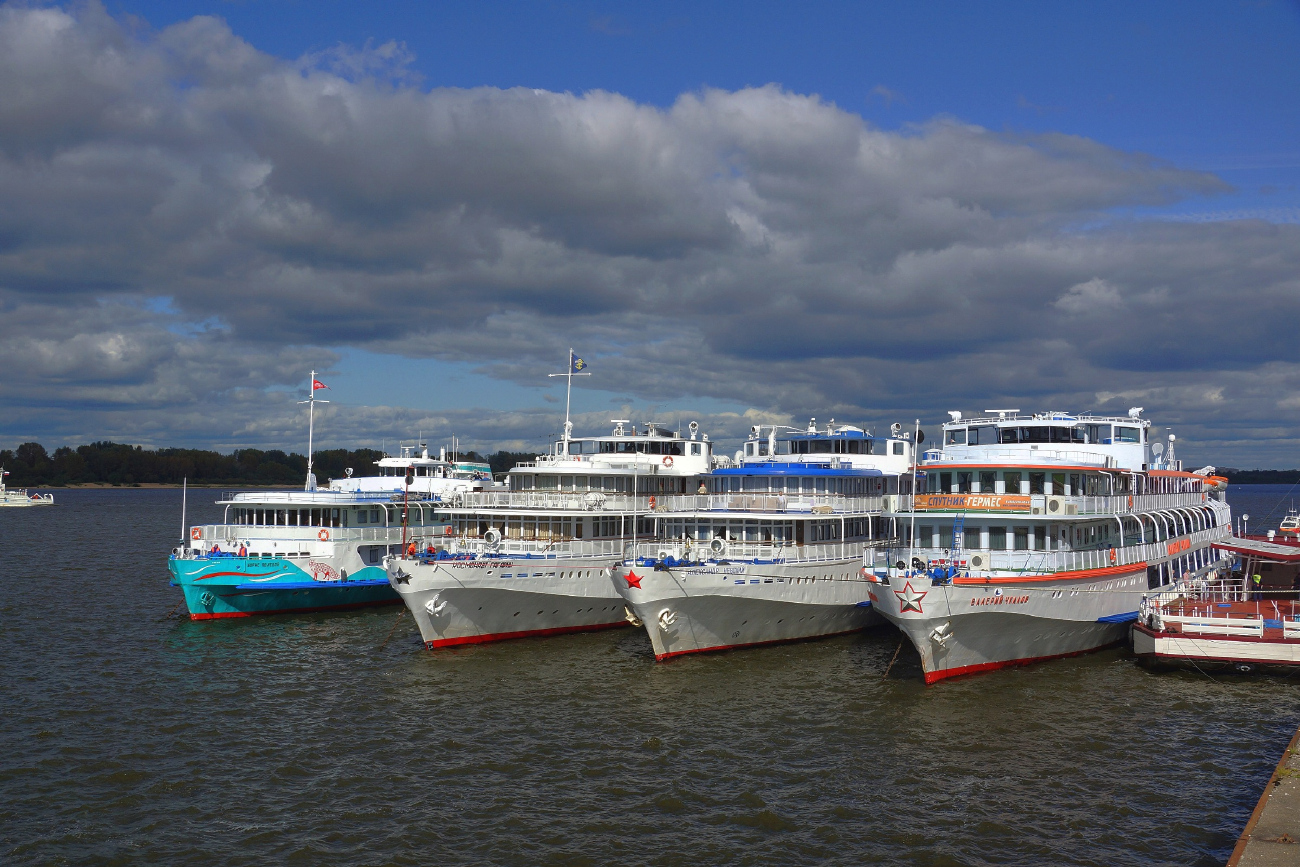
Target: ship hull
{"x":718,"y":607}
{"x":458,"y":603}
{"x":241,"y":587}
{"x":964,"y":629}
{"x":1157,"y":649}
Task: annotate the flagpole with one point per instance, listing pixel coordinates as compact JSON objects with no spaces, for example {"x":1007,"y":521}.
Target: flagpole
{"x":568,"y":394}
{"x":311,"y":429}
{"x":311,"y":422}
{"x":911,"y":532}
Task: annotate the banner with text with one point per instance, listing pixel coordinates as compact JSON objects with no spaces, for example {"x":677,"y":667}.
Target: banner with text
{"x":972,"y":502}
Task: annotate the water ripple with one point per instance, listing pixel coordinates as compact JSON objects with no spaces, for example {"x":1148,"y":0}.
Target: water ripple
{"x":130,"y":738}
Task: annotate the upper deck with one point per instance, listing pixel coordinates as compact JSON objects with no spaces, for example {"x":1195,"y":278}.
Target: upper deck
{"x":839,"y":446}
{"x":652,"y":450}
{"x":430,"y":476}
{"x":1006,"y":437}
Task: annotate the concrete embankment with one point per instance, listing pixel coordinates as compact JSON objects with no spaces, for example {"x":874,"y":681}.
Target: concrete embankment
{"x":1272,"y":834}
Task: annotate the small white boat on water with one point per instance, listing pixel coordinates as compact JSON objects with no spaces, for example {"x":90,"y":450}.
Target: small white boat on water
{"x":21,"y":496}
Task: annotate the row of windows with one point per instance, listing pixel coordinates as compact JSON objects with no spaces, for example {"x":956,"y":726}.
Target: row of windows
{"x":1021,"y":482}
{"x":1103,"y":434}
{"x":825,"y":446}
{"x":606,"y":484}
{"x":289,"y":517}
{"x":420,"y":515}
{"x":834,"y":485}
{"x":1023,"y":538}
{"x":628,"y":447}
{"x":420,"y":472}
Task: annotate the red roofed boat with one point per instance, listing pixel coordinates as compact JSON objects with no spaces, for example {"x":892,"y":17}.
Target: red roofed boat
{"x":1230,"y":623}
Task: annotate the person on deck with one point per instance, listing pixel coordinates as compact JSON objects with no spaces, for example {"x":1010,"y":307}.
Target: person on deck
{"x":1258,"y":581}
{"x":410,"y":550}
{"x":243,"y":552}
{"x":704,"y":489}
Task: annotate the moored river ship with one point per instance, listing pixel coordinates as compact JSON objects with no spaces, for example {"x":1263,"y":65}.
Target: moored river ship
{"x":772,"y":552}
{"x":537,"y":558}
{"x":313,"y":550}
{"x":1037,"y":536}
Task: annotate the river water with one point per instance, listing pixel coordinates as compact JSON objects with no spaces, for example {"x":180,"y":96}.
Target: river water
{"x":126,"y":737}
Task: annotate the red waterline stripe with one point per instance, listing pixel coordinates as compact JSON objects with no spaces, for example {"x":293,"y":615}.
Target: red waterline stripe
{"x":944,"y":674}
{"x":666,"y":656}
{"x":528,"y":633}
{"x":240,"y":574}
{"x":221,"y":615}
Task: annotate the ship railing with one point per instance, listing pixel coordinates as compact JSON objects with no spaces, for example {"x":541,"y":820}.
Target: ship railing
{"x":742,"y":501}
{"x":1125,"y":505}
{"x":1038,"y":562}
{"x":234,"y":533}
{"x":1251,"y":625}
{"x":1291,"y":626}
{"x":324,"y":498}
{"x":534,"y":548}
{"x":702,"y":551}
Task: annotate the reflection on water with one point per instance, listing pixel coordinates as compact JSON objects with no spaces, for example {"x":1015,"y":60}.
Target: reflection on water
{"x":127,"y":737}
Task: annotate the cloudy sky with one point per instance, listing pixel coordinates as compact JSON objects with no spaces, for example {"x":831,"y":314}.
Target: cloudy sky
{"x":751,"y":212}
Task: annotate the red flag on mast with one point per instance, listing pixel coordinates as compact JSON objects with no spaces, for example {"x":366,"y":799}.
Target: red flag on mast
{"x":316,"y":383}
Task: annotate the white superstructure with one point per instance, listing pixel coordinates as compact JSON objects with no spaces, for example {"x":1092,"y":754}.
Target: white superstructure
{"x":431,"y":478}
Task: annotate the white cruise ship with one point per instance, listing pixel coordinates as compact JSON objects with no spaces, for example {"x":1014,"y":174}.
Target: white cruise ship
{"x":537,"y":558}
{"x":1037,"y":536}
{"x":773,"y":551}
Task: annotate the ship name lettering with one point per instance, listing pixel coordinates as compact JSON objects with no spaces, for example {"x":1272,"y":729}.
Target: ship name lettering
{"x":999,"y":600}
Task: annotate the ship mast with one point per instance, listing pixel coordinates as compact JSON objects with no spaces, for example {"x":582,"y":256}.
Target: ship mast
{"x":569,"y":374}
{"x":311,"y":402}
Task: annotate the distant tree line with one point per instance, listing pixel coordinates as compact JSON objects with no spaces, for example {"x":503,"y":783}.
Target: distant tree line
{"x":1259,"y":477}
{"x":30,"y":465}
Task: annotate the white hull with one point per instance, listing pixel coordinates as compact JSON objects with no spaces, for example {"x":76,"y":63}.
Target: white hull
{"x":689,"y":609}
{"x":1214,"y":652}
{"x":968,"y":628}
{"x":473,"y":602}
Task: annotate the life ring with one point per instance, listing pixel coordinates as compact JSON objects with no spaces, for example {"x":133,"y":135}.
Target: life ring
{"x":196,"y":533}
{"x":323,"y":535}
{"x":448,"y":530}
{"x":652,"y":502}
{"x":668,"y":460}
{"x":1113,"y":558}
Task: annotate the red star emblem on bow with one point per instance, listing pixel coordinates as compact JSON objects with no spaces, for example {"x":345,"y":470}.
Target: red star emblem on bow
{"x":909,"y":599}
{"x":632,"y":579}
